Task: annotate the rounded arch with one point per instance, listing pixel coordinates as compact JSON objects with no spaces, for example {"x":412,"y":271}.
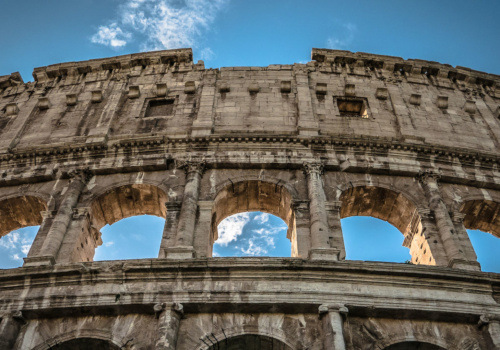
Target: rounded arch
{"x":385,"y":203}
{"x":482,"y":214}
{"x":85,"y":339}
{"x":254,"y":195}
{"x":20,"y":211}
{"x":263,"y":178}
{"x":414,"y":345}
{"x":275,"y":337}
{"x":126,"y":200}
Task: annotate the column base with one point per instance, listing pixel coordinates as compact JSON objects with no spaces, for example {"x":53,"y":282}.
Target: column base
{"x":39,"y":261}
{"x":180,"y":253}
{"x":328,"y":254}
{"x":464,"y":265}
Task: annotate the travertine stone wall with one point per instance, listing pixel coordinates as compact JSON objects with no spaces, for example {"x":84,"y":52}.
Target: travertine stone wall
{"x":411,"y":142}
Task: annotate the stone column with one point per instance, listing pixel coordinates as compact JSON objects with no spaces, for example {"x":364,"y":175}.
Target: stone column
{"x":10,"y":325}
{"x":62,"y":219}
{"x":170,"y":228}
{"x":332,"y":317}
{"x":455,"y":255}
{"x":169,"y":318}
{"x":320,"y":247}
{"x":203,"y":240}
{"x":336,"y":237}
{"x":299,"y":230}
{"x":187,"y":218}
{"x":493,"y":323}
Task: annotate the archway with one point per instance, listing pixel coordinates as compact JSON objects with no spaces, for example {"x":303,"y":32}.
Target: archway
{"x":414,"y":345}
{"x":20,"y":220}
{"x":254,"y":196}
{"x":248,"y":342}
{"x":131,"y":211}
{"x":482,"y":221}
{"x":394,"y":208}
{"x":86,"y":344}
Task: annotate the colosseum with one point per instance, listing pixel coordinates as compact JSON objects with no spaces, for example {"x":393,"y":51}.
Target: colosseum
{"x":411,"y":142}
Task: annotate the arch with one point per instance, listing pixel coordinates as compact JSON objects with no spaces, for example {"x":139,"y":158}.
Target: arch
{"x":124,"y":201}
{"x":250,"y":342}
{"x":278,"y":336}
{"x":90,"y":339}
{"x":393,"y":207}
{"x":253,"y":195}
{"x":20,"y":211}
{"x":414,"y":345}
{"x":482,"y":214}
{"x":86,"y":344}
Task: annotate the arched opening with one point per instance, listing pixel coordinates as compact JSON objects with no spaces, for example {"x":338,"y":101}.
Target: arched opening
{"x":20,"y":219}
{"x":482,"y":221}
{"x":249,"y":342}
{"x":86,"y":344}
{"x":393,"y":208}
{"x":414,"y":345}
{"x":244,"y":204}
{"x":252,"y":234}
{"x":126,"y":222}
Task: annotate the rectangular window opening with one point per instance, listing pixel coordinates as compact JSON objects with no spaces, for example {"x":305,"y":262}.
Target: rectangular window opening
{"x":352,"y":108}
{"x":160,"y":108}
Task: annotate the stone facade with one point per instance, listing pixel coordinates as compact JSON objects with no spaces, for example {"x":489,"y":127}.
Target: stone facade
{"x":411,"y":142}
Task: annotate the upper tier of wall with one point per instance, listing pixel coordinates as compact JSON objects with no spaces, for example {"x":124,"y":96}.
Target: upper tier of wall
{"x":339,"y":94}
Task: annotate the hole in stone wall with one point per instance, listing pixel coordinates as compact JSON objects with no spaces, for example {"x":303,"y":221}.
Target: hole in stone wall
{"x":486,"y":247}
{"x":136,"y":237}
{"x":15,"y":246}
{"x":372,"y":239}
{"x":252,"y":234}
{"x":352,"y":108}
{"x":160,"y":108}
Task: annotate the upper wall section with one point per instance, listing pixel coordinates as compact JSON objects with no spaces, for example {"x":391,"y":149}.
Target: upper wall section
{"x":339,"y":94}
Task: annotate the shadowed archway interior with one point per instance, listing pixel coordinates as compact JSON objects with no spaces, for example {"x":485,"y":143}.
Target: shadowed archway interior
{"x":414,"y":346}
{"x":250,"y":342}
{"x":19,"y":212}
{"x":86,"y":344}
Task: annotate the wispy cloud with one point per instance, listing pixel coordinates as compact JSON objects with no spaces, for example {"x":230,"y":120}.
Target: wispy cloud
{"x":254,"y":249}
{"x":16,"y":245}
{"x":231,"y":228}
{"x":163,"y":24}
{"x":261,"y":218}
{"x":343,"y":41}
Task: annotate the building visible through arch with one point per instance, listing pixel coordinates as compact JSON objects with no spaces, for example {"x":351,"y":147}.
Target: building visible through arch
{"x":411,"y":142}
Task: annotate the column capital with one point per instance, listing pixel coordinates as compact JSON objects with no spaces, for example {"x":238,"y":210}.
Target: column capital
{"x":173,"y":206}
{"x":191,"y":166}
{"x":487,"y":319}
{"x":80,"y":213}
{"x":83,"y":175}
{"x":339,"y":308}
{"x":176,"y":307}
{"x":457,"y":217}
{"x":300,"y":205}
{"x":313,"y":168}
{"x":428,"y":176}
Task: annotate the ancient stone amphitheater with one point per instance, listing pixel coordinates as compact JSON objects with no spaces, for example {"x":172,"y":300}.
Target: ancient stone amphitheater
{"x":89,"y":143}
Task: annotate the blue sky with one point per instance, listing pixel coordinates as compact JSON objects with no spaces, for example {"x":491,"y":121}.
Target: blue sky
{"x":247,"y":33}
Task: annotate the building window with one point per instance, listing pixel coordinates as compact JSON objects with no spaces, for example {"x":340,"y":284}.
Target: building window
{"x":160,"y":108}
{"x":352,"y":107}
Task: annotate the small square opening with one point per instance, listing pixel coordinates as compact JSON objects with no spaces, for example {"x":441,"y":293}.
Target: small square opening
{"x":160,"y":108}
{"x":352,"y":108}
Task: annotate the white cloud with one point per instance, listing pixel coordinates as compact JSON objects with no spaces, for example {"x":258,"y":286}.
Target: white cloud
{"x":165,"y":24}
{"x":10,"y":241}
{"x":342,"y":42}
{"x":261,"y":218}
{"x":25,"y":248}
{"x":231,"y":228}
{"x":253,"y":249}
{"x":111,"y":35}
{"x":16,"y":257}
{"x":207,"y":54}
{"x":109,"y":244}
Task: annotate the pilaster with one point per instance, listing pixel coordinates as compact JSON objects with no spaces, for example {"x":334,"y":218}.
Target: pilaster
{"x":10,"y":325}
{"x":169,"y":318}
{"x":455,"y":255}
{"x":307,"y":124}
{"x":183,"y":248}
{"x":332,"y":317}
{"x":170,"y":229}
{"x":55,"y":236}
